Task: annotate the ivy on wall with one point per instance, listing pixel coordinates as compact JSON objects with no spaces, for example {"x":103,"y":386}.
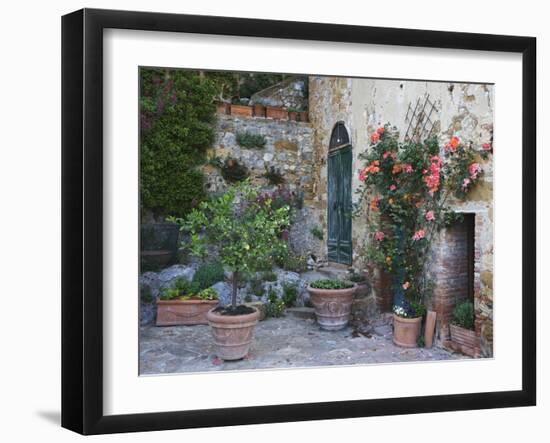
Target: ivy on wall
{"x":176,"y":121}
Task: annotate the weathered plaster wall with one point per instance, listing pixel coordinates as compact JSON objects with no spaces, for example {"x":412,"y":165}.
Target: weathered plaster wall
{"x":464,"y":110}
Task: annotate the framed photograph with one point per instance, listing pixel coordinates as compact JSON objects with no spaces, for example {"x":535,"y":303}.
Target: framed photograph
{"x":269,"y":221}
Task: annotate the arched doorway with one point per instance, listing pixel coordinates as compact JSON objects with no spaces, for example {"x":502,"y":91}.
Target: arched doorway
{"x":339,"y":210}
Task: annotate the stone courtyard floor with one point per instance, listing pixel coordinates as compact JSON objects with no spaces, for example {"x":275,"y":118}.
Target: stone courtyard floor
{"x":286,"y":342}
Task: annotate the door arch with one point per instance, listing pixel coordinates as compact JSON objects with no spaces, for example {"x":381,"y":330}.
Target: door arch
{"x":339,"y":208}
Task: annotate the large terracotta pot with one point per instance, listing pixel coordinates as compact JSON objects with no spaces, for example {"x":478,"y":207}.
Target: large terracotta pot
{"x":465,"y":337}
{"x":232,"y":333}
{"x":183,"y":312}
{"x":406,"y":331}
{"x":382,"y":287}
{"x":332,"y":306}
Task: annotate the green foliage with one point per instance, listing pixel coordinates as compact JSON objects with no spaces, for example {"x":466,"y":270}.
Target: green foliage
{"x":274,"y":176}
{"x":317,"y":233}
{"x":269,"y":276}
{"x":257,"y":286}
{"x":290,"y":294}
{"x":420,"y":341}
{"x":208,"y":274}
{"x":250,"y":140}
{"x":245,"y":230}
{"x":290,"y":261}
{"x":233,"y":171}
{"x":208,"y":294}
{"x":176,"y":117}
{"x":356,"y":277}
{"x":234,"y":85}
{"x":274,"y":307}
{"x":331,"y":284}
{"x":463,"y":315}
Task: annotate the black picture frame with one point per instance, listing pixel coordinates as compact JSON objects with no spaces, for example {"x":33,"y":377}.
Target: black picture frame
{"x":82,"y":216}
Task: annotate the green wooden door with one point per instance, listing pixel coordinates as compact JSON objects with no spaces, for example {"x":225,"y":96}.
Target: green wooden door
{"x":339,"y":205}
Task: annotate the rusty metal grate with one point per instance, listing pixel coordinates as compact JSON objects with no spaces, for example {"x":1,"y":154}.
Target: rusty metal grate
{"x":420,"y":119}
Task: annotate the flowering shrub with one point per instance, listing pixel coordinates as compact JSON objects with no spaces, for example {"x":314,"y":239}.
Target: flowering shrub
{"x":406,"y":185}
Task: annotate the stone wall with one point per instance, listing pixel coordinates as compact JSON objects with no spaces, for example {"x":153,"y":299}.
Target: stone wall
{"x":289,"y":149}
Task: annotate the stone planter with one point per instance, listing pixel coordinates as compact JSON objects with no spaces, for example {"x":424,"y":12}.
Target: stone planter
{"x":276,"y":113}
{"x":232,"y":333}
{"x":183,"y":312}
{"x":332,"y":306}
{"x":464,"y":337}
{"x":241,"y":110}
{"x":406,"y":331}
{"x":259,"y":111}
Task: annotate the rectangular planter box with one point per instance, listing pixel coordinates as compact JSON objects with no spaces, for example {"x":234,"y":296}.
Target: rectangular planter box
{"x":276,"y":113}
{"x":183,"y":312}
{"x":241,"y":110}
{"x":464,"y":337}
{"x":259,"y":111}
{"x":304,"y":117}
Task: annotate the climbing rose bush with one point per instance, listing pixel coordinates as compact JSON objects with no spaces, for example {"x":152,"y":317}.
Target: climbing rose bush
{"x":406,"y":186}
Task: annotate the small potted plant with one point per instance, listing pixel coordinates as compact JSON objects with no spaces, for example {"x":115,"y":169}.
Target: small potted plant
{"x":181,"y":305}
{"x":462,"y":325}
{"x":407,"y":323}
{"x":245,"y":229}
{"x":331,"y":300}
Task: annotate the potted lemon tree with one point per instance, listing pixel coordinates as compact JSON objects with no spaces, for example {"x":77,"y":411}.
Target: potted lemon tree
{"x":246,"y":232}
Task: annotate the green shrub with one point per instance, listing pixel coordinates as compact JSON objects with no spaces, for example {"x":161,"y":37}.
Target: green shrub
{"x":463,"y":315}
{"x":249,"y":140}
{"x":290,"y":294}
{"x":269,"y":276}
{"x":274,"y":307}
{"x":208,"y":274}
{"x":292,"y":262}
{"x":233,"y":171}
{"x":317,"y":233}
{"x":208,"y":294}
{"x":257,"y":287}
{"x":330,"y":284}
{"x":274,"y":176}
{"x":176,"y":127}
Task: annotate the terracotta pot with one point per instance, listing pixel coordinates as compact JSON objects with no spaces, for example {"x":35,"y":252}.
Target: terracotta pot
{"x":464,"y":337}
{"x":332,"y":306}
{"x":183,"y":312}
{"x":406,"y":331}
{"x":276,"y":113}
{"x":160,"y":258}
{"x":241,"y":110}
{"x":259,"y":111}
{"x":293,"y":116}
{"x":232,"y":333}
{"x":303,"y":116}
{"x":223,"y":108}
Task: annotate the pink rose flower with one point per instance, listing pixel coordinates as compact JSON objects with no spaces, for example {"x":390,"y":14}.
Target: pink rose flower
{"x":380,"y":130}
{"x":418,"y":235}
{"x":406,"y":285}
{"x":475,"y":170}
{"x":430,"y":216}
{"x":486,"y":147}
{"x":393,"y":187}
{"x":407,"y":168}
{"x":465,"y":184}
{"x":375,"y":137}
{"x":362,"y":175}
{"x":379,"y":235}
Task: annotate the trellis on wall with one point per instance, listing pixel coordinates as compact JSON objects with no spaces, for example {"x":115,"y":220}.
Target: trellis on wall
{"x":420,"y":119}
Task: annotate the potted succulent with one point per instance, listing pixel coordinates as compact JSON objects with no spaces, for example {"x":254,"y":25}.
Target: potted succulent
{"x":181,"y":305}
{"x":245,"y":229}
{"x":406,"y":187}
{"x":462,"y":325}
{"x":331,"y":300}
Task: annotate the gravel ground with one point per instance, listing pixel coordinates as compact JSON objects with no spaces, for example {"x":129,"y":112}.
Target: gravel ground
{"x":286,"y":342}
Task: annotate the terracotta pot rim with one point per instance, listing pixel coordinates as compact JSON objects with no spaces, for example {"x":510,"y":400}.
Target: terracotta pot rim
{"x":188,"y":302}
{"x":214,"y":317}
{"x":407,"y":320}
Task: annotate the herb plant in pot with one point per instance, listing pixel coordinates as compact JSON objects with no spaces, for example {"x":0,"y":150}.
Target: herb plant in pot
{"x":245,"y":230}
{"x":183,"y":305}
{"x":462,"y":326}
{"x":331,"y":300}
{"x":406,"y":188}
